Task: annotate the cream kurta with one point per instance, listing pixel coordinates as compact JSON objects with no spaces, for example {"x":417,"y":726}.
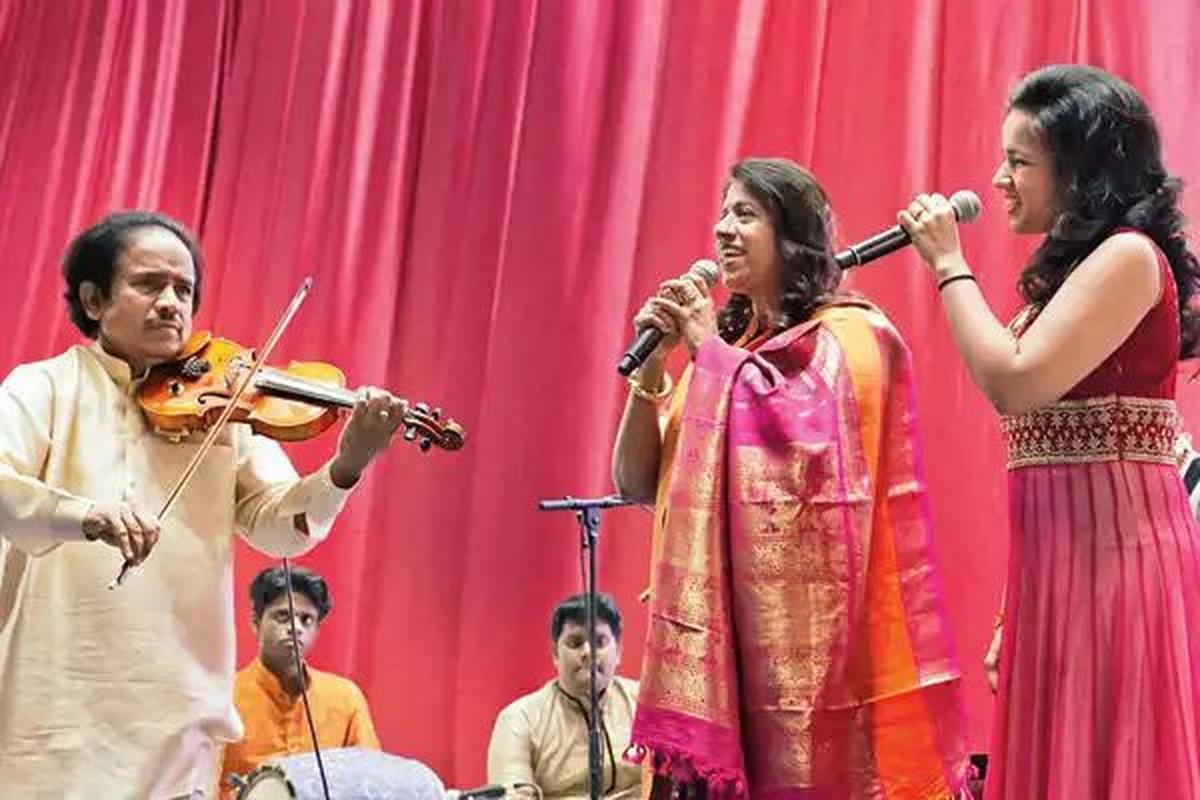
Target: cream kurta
{"x":120,"y":694}
{"x":542,"y":738}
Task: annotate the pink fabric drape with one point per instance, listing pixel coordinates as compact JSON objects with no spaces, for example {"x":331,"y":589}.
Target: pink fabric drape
{"x":485,"y":191}
{"x":798,"y":641}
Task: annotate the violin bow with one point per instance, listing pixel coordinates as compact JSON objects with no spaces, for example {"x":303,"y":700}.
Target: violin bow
{"x":215,"y":429}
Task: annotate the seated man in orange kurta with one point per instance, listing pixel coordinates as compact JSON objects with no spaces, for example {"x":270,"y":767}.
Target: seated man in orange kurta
{"x":267,"y":693}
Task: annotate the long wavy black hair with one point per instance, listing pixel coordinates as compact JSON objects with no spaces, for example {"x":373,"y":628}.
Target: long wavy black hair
{"x":1109,"y":174}
{"x":800,"y":214}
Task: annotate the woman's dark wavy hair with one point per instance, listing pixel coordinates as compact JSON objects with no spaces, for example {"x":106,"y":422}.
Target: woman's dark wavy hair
{"x":799,"y":211}
{"x":1109,"y":174}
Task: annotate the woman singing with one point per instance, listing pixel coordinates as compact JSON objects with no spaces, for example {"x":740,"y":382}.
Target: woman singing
{"x":797,"y":644}
{"x":1099,"y":681}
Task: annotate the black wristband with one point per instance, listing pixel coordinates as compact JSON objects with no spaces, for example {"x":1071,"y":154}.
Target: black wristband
{"x":962,"y":276}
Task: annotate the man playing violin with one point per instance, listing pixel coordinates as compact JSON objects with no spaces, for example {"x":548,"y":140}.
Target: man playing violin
{"x":128,"y":693}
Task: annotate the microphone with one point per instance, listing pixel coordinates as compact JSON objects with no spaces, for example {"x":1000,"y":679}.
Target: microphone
{"x":966,"y":206}
{"x":648,"y":338}
{"x":488,"y":790}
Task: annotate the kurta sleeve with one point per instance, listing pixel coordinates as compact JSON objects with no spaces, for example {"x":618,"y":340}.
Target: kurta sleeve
{"x":278,"y":512}
{"x":510,"y":752}
{"x":34,"y":516}
{"x":361,"y":732}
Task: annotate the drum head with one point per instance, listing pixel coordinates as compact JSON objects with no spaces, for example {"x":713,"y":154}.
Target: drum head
{"x":267,"y":783}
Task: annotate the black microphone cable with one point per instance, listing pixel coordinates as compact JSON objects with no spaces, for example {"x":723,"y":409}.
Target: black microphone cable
{"x":612,"y":781}
{"x":312,"y":728}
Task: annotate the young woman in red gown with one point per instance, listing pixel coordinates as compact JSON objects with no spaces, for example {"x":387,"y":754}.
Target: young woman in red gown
{"x":1099,"y":681}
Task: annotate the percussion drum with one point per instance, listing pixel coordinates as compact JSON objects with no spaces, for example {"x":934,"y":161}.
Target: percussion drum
{"x":355,"y":773}
{"x":266,"y":783}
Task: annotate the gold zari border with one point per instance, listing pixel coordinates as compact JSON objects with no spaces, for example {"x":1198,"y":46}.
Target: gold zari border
{"x":1109,"y":428}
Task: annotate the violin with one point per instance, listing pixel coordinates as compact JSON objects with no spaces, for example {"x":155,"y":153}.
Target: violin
{"x":288,"y":404}
{"x":216,"y":381}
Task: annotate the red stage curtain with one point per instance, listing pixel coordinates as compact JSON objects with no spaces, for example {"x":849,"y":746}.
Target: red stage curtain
{"x":484,"y":191}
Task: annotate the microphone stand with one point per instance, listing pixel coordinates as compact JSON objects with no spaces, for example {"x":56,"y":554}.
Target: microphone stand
{"x":587,"y":511}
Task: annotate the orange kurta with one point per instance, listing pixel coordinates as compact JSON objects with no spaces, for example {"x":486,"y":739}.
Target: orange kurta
{"x":276,"y":725}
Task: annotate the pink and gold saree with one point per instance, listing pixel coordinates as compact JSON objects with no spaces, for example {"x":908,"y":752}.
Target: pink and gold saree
{"x":797,"y":645}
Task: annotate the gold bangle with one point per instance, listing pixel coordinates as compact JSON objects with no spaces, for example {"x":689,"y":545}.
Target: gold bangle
{"x":642,"y":393}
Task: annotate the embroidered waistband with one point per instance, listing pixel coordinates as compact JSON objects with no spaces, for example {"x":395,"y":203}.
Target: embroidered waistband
{"x":1097,"y":429}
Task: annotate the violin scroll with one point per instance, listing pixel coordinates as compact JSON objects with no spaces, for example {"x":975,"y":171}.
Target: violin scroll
{"x":425,"y":426}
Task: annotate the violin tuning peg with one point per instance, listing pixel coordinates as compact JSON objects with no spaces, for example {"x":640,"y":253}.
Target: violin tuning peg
{"x":437,"y":413}
{"x":425,"y":445}
{"x":424,"y":409}
{"x":410,"y":433}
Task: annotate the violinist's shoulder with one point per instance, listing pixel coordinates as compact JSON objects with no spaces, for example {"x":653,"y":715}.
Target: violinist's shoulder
{"x":47,"y":368}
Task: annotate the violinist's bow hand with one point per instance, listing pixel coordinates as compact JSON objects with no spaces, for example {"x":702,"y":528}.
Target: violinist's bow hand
{"x":123,"y":526}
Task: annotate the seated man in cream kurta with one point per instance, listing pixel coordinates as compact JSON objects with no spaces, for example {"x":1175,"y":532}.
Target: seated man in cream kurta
{"x":542,"y":738}
{"x":128,"y":693}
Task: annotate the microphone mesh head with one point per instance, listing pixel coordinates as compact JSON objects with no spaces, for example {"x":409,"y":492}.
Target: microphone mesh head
{"x":707,"y":270}
{"x":966,"y":205}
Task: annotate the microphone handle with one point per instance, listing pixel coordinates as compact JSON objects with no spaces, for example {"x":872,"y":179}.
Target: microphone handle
{"x":966,"y":208}
{"x":877,"y":246}
{"x":647,"y":339}
{"x":490,"y":790}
